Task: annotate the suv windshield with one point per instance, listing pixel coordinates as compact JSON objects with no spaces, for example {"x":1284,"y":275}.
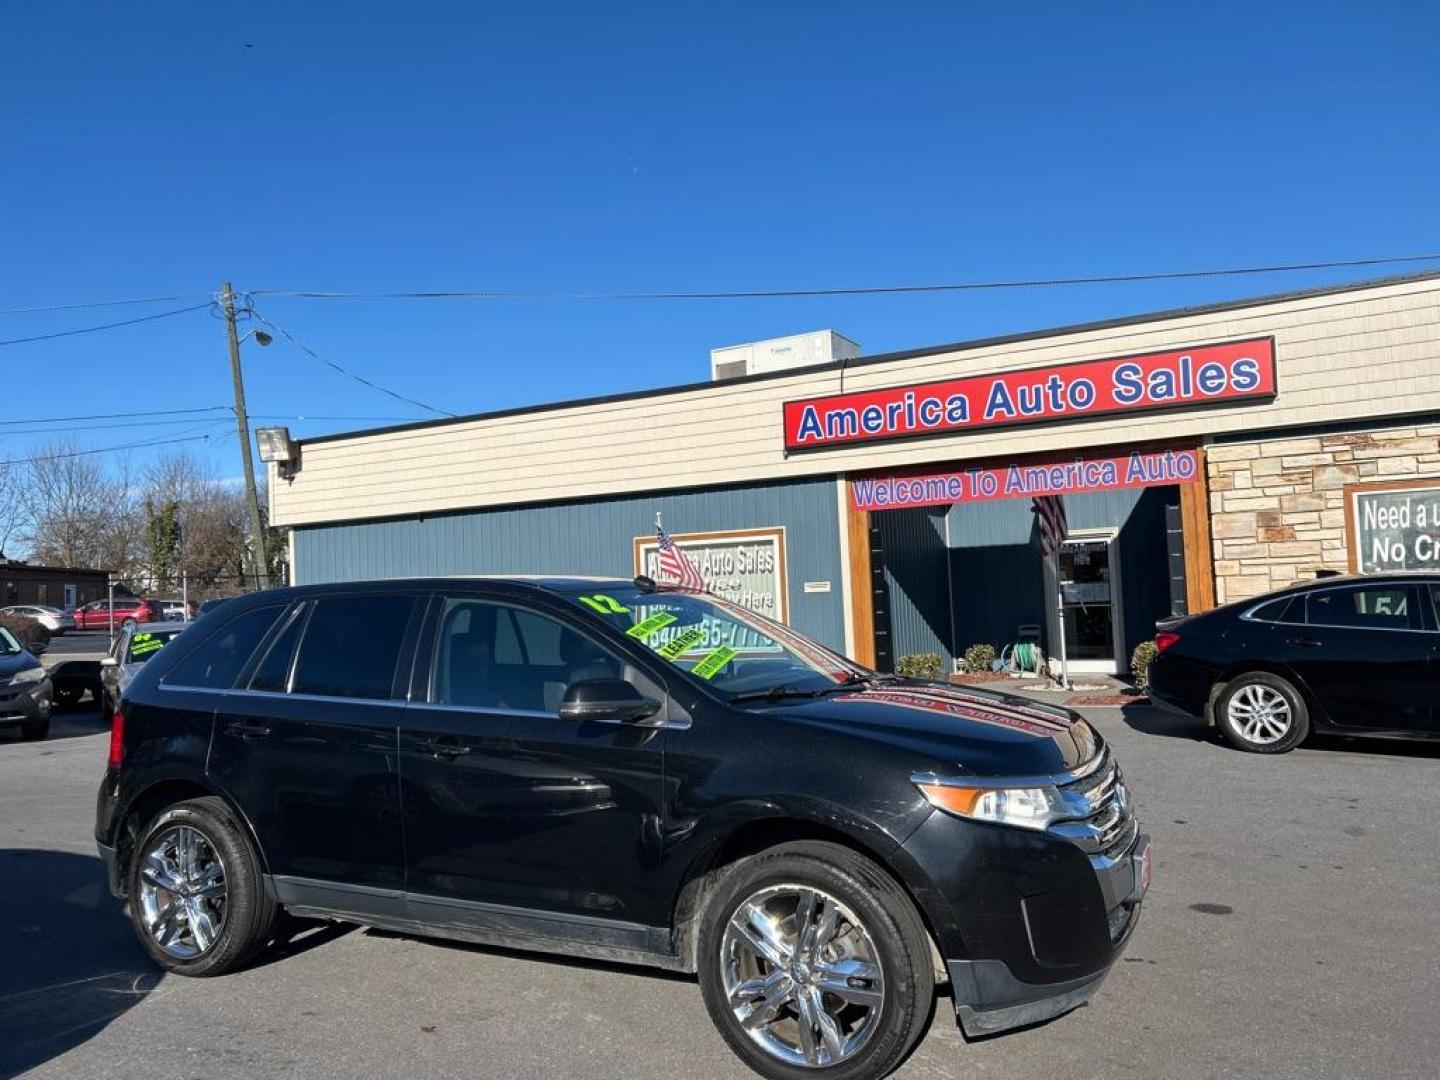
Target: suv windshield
{"x":723,"y":644}
{"x":8,"y":645}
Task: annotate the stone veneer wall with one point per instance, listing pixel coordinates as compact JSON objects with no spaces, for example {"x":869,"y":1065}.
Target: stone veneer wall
{"x":1277,"y":506}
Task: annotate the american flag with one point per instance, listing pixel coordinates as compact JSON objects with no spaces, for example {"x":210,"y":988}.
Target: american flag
{"x":675,"y":564}
{"x":1049,"y":511}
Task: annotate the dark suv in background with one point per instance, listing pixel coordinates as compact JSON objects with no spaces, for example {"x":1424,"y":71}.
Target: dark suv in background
{"x":616,"y":770}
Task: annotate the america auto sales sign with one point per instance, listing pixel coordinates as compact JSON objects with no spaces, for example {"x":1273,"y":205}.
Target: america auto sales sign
{"x":1179,"y":378}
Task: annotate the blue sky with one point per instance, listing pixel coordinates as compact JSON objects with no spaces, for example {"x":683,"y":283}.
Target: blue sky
{"x":158,"y":148}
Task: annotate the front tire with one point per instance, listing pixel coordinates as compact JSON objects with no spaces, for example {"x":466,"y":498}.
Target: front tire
{"x":197,"y":900}
{"x":1262,"y":713}
{"x":814,"y":963}
{"x":36,"y":731}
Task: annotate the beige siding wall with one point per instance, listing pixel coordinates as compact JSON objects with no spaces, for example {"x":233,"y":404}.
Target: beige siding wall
{"x":1365,"y":353}
{"x":1278,"y":505}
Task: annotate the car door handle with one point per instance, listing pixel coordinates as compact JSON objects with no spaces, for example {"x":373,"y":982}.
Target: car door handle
{"x":246,"y":730}
{"x":1304,"y":642}
{"x":446,"y":749}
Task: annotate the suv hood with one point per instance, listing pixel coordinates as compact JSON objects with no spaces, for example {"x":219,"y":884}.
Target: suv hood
{"x":973,"y":732}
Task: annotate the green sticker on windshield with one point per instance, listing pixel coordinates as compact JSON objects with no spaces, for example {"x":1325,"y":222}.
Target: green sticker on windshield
{"x":677,"y":647}
{"x":144,"y":645}
{"x":605,"y":605}
{"x":713,"y":662}
{"x":650,"y":626}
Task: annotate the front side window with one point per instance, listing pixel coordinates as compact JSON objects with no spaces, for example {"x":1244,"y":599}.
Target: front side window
{"x":721,"y":644}
{"x":351,"y":647}
{"x":492,"y":655}
{"x":218,"y":660}
{"x":1364,"y":606}
{"x":9,"y":645}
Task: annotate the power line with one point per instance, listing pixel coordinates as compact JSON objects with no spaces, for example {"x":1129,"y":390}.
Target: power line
{"x":101,"y":304}
{"x":114,"y":415}
{"x":72,"y":428}
{"x":857,"y":290}
{"x":343,"y":371}
{"x":104,"y":326}
{"x":105,"y":449}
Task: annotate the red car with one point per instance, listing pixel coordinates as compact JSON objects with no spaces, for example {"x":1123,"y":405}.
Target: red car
{"x":128,"y":609}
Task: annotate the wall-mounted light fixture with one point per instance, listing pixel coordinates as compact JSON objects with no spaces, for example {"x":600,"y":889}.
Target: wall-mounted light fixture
{"x":276,"y":445}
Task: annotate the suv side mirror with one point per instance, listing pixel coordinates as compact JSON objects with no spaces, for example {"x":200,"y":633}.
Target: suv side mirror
{"x":611,"y":701}
{"x":37,"y":648}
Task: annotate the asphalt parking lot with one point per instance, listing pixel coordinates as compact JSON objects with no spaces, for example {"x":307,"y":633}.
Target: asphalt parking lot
{"x":1291,"y":931}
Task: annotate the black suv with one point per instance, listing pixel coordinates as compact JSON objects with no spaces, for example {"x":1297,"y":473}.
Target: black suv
{"x":612,"y":769}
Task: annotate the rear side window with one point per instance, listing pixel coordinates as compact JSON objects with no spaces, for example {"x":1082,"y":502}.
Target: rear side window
{"x":1365,"y":606}
{"x":272,"y":674}
{"x":351,"y":646}
{"x":215,"y":664}
{"x":1282,"y":610}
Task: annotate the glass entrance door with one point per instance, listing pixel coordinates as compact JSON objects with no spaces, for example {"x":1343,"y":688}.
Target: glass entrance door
{"x":1090,"y":610}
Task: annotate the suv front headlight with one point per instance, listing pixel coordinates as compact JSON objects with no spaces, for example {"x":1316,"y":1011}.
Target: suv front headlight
{"x":29,"y":675}
{"x":1024,"y":807}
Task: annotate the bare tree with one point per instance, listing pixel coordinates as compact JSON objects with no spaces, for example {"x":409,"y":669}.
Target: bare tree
{"x":12,"y":507}
{"x":65,"y":498}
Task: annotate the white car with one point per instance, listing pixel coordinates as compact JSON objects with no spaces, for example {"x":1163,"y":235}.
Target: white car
{"x":53,"y":619}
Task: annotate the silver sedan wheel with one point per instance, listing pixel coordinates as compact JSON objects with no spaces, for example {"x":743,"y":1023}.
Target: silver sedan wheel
{"x":802,"y":975}
{"x":183,"y":892}
{"x":1259,"y":714}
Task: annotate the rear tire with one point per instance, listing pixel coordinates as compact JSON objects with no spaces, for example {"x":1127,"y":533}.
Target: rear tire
{"x":864,"y":993}
{"x":1262,"y":713}
{"x":205,"y":912}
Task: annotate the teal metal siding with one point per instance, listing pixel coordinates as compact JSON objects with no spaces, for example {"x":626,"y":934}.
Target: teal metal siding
{"x":915,"y":555}
{"x":592,"y":537}
{"x":998,"y":580}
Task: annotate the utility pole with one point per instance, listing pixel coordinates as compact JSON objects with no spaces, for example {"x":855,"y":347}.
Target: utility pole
{"x":258,"y":552}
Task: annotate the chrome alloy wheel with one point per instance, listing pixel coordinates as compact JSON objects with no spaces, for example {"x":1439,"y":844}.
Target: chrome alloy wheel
{"x":182,"y":892}
{"x":802,"y":975}
{"x":1259,"y":714}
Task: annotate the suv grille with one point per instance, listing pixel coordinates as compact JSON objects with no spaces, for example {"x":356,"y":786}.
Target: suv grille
{"x":1105,"y":825}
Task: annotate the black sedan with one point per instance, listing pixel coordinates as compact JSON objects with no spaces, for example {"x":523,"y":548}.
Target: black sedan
{"x":1350,"y":655}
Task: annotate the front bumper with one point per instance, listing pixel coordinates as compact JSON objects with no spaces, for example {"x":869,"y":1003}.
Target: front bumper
{"x":26,"y":704}
{"x":1029,"y":923}
{"x":988,"y":996}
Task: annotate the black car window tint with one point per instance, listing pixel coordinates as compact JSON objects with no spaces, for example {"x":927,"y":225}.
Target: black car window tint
{"x":1275,"y":610}
{"x":1435,"y":604}
{"x":351,"y":647}
{"x":508,"y":649}
{"x":1374,"y":607}
{"x":273,"y":673}
{"x":218,"y":659}
{"x":495,"y":656}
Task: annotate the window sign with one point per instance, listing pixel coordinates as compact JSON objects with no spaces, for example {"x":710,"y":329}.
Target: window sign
{"x":746,"y":567}
{"x":1394,"y":527}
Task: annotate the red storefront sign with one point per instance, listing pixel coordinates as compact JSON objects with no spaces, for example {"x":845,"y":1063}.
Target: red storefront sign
{"x":1180,"y":378}
{"x":1015,"y":481}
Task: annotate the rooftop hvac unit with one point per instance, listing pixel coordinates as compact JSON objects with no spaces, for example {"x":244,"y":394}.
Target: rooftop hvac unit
{"x":781,"y":354}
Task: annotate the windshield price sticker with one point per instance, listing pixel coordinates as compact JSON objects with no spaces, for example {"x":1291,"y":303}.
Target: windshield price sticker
{"x":651,"y":626}
{"x":713,"y":662}
{"x":605,"y":605}
{"x":144,"y":644}
{"x":676,"y":647}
